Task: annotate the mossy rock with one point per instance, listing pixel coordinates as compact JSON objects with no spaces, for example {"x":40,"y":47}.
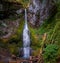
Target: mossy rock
{"x":15,"y":40}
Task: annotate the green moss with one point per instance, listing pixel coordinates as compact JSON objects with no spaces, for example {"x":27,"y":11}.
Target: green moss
{"x":16,"y":39}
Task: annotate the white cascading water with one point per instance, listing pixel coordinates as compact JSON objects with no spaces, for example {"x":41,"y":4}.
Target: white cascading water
{"x":26,"y":39}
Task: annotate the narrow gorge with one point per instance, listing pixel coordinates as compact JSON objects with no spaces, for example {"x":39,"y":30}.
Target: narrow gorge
{"x":29,"y":31}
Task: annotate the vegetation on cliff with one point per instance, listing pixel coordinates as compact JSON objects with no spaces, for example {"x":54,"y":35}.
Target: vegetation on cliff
{"x":45,"y":38}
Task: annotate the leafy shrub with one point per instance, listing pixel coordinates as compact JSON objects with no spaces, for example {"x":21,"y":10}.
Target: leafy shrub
{"x":50,"y":53}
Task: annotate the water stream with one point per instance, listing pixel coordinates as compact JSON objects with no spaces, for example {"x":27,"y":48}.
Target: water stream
{"x":26,"y":39}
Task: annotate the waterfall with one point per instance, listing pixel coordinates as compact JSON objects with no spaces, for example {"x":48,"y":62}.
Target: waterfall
{"x":26,"y":39}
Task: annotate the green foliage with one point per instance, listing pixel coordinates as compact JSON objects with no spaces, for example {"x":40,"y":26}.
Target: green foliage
{"x":50,"y":53}
{"x":51,"y":27}
{"x":35,"y":39}
{"x":25,"y":3}
{"x":13,"y":48}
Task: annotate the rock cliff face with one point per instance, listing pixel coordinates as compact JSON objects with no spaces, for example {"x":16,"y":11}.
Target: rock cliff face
{"x":8,"y":28}
{"x":39,"y":10}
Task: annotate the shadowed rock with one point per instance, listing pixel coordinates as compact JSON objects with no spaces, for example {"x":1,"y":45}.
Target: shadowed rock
{"x":39,"y":10}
